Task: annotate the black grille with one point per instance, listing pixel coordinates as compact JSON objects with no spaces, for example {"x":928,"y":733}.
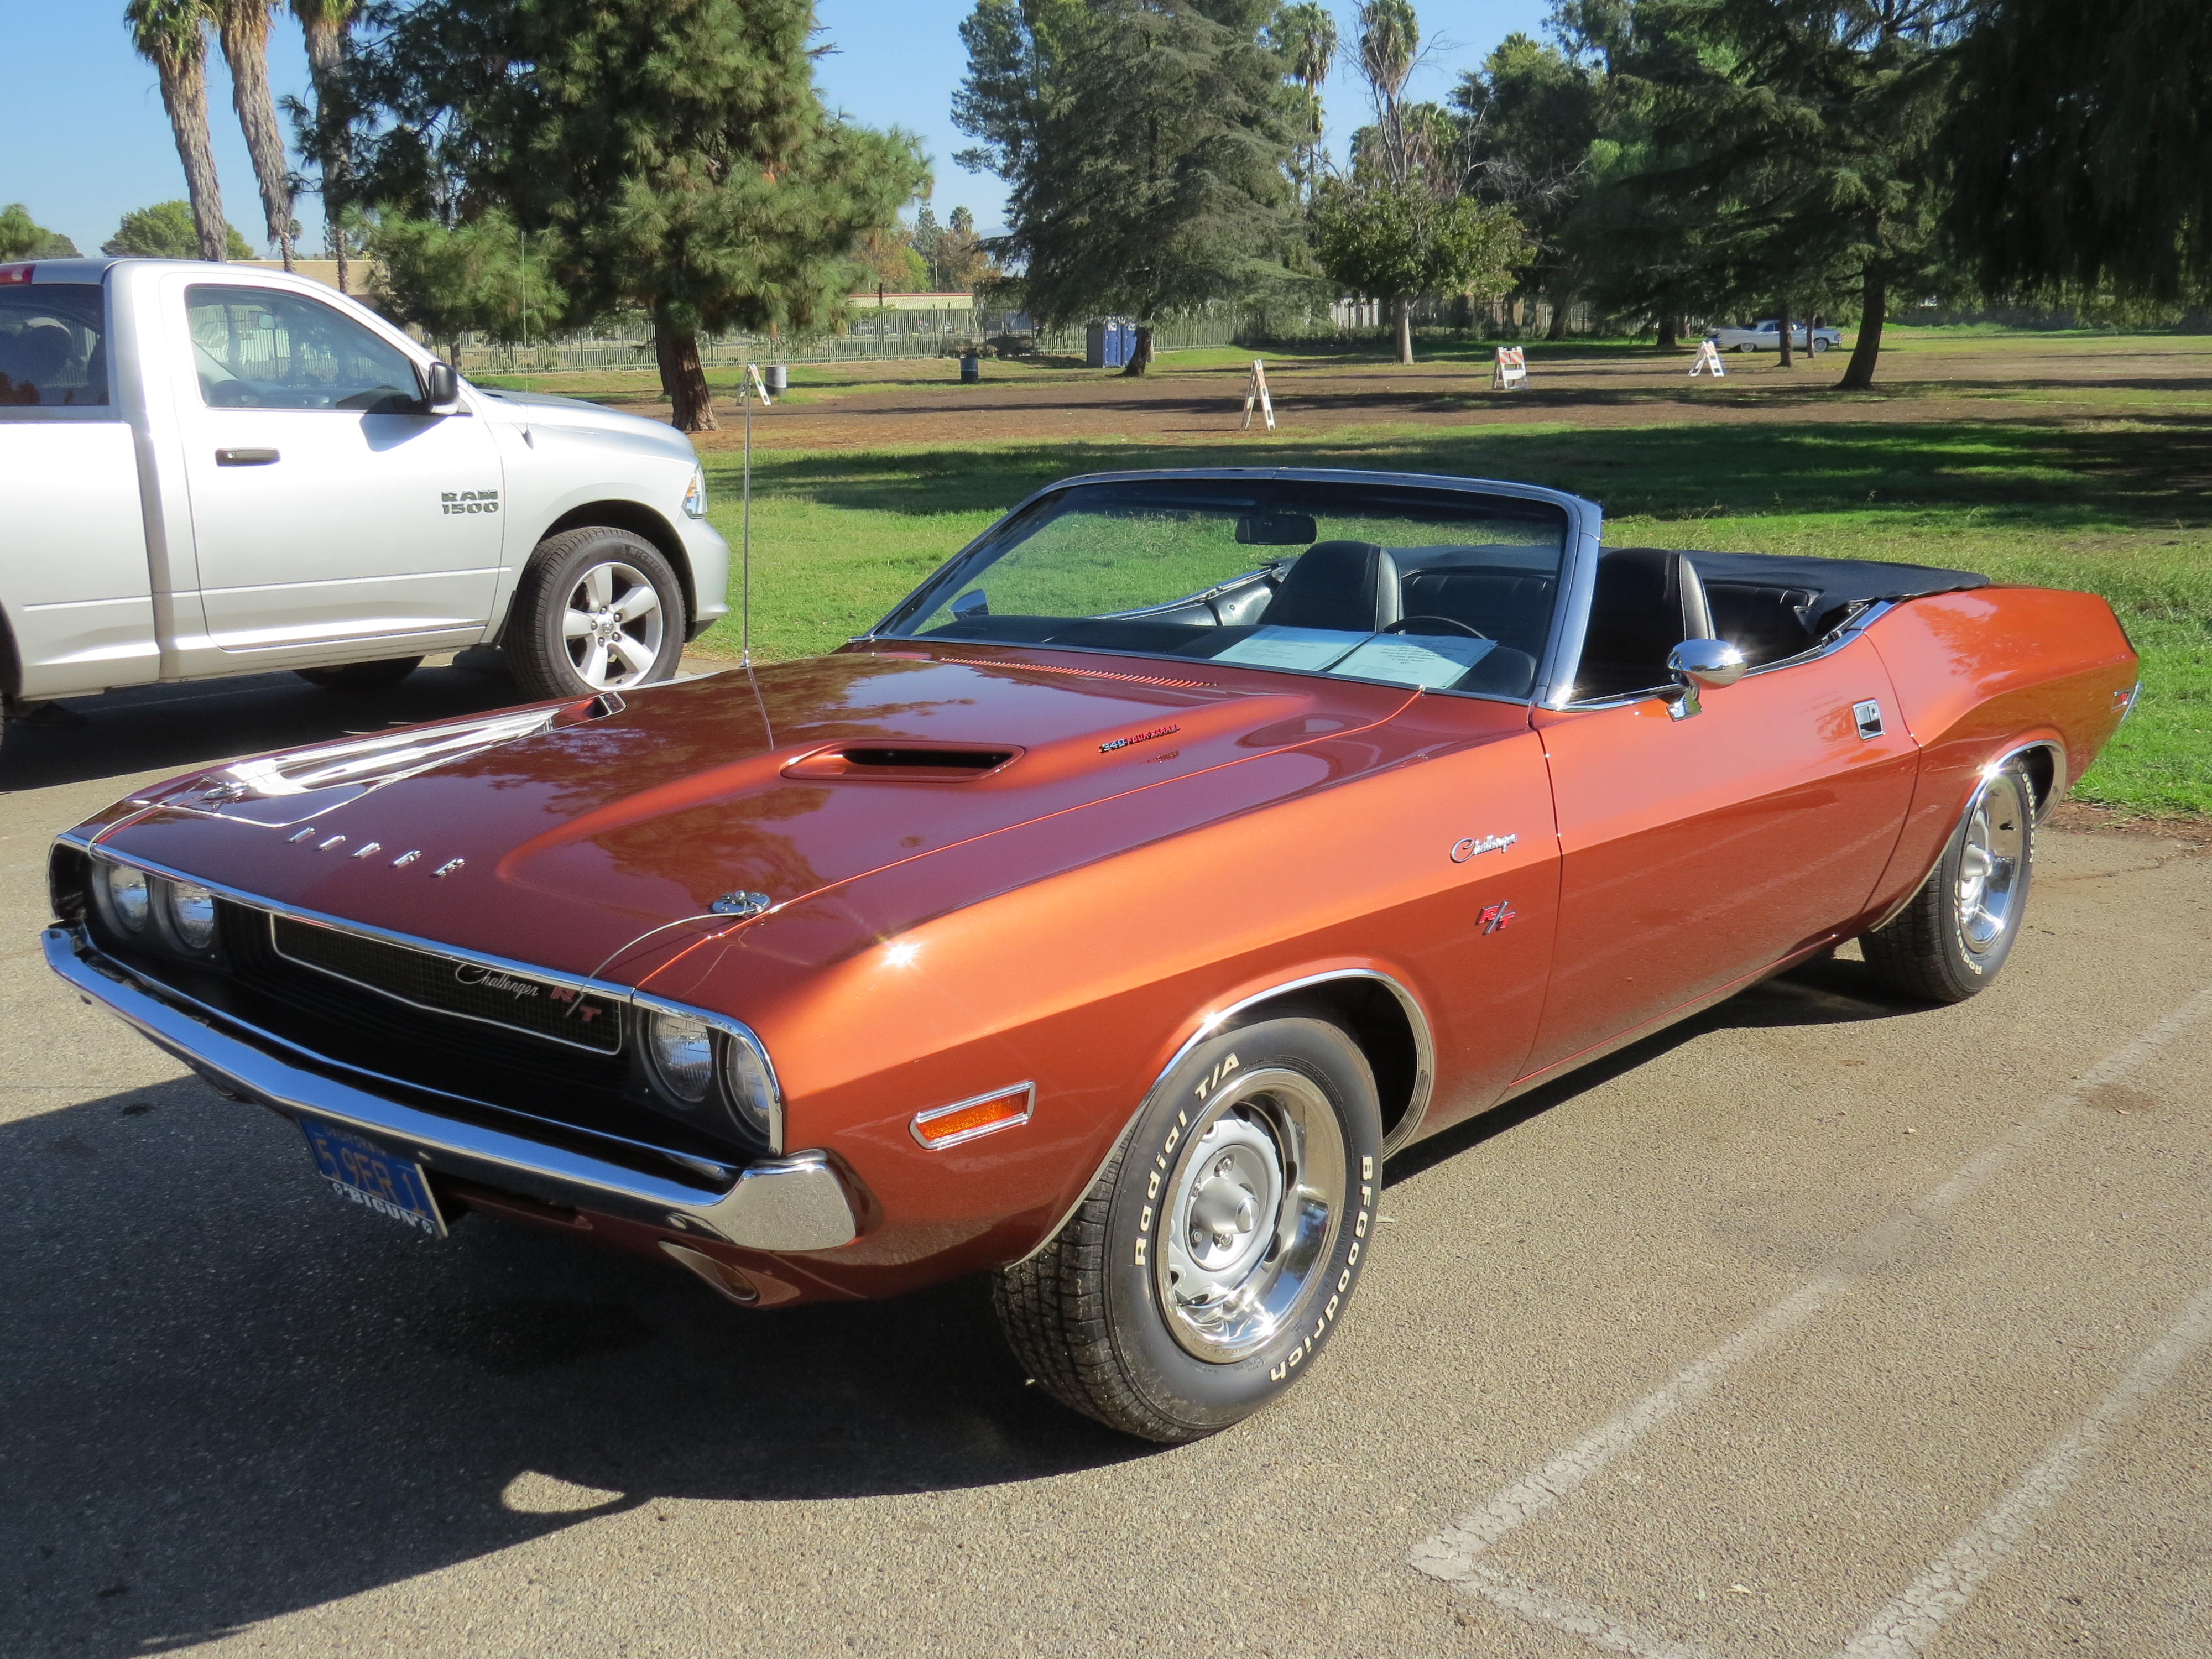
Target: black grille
{"x":446,"y":986}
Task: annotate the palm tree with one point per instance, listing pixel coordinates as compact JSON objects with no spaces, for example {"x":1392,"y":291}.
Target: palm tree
{"x":326,"y":24}
{"x":244,"y":27}
{"x":1389,"y":47}
{"x":168,"y":35}
{"x":1306,"y":35}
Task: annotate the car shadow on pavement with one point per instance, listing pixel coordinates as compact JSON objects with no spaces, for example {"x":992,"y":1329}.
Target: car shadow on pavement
{"x":1829,"y":990}
{"x":229,"y":1395}
{"x":175,"y":728}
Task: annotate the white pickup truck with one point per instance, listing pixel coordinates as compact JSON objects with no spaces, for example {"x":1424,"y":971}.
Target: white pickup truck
{"x":206,"y":471}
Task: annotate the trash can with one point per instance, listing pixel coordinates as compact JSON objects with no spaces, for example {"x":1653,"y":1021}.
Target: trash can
{"x":778,"y":379}
{"x":971,"y":366}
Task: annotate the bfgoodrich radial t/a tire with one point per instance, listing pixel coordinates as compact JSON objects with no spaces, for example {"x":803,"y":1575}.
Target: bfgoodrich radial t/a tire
{"x":1219,"y":1249}
{"x":595,"y":610}
{"x":1954,"y":936}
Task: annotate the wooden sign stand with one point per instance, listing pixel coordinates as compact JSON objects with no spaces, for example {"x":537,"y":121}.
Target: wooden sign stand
{"x":1511,"y":374}
{"x":1255,"y":391}
{"x":1709,"y":359}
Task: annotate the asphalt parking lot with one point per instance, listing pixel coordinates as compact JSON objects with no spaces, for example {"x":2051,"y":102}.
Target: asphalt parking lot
{"x":1824,"y":1325}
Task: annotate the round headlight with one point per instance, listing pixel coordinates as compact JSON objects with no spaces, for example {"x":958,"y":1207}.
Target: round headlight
{"x":128,"y":897}
{"x":683,"y":1055}
{"x":192,"y":913}
{"x":753,"y":1091}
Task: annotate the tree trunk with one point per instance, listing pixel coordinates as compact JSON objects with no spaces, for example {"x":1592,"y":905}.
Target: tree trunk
{"x":326,"y":42}
{"x":1141,"y":354}
{"x":682,"y":376}
{"x":1788,"y":361}
{"x":184,"y":93}
{"x":1670,"y":337}
{"x":1859,"y":376}
{"x":243,"y":26}
{"x":1560,"y":301}
{"x":1404,"y":303}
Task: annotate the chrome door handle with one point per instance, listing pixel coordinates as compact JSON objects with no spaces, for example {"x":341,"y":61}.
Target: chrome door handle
{"x":245,"y":456}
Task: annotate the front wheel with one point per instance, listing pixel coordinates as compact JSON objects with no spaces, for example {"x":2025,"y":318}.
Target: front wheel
{"x":1819,"y":345}
{"x":1219,"y":1249}
{"x":1953,"y":937}
{"x":597,"y":609}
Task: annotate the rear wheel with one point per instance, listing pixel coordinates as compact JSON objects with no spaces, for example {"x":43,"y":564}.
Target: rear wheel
{"x":1954,"y":936}
{"x":597,"y":609}
{"x":1215,"y":1253}
{"x":361,"y":676}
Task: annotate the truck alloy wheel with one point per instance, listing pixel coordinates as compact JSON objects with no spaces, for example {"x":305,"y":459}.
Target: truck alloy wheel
{"x":597,"y":610}
{"x":1954,"y":938}
{"x":1217,"y":1250}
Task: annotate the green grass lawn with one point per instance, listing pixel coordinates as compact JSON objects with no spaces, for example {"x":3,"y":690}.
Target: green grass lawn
{"x":2120,"y":510}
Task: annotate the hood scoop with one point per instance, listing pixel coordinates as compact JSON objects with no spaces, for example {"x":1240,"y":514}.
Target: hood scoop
{"x":935,"y":763}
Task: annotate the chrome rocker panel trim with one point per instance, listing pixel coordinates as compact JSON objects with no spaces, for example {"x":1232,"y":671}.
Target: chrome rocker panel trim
{"x":795,"y":1203}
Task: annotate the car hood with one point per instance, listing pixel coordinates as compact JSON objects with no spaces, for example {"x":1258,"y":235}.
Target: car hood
{"x":539,"y":409}
{"x":595,"y":837}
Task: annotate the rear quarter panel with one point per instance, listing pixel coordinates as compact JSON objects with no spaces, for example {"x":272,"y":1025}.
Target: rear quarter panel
{"x":1981,"y":673}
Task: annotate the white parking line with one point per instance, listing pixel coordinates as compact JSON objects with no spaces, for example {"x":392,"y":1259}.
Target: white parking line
{"x":1911,"y":1622}
{"x":1453,"y":1553}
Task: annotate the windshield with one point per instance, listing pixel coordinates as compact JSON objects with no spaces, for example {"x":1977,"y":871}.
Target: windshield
{"x":1440,"y":588}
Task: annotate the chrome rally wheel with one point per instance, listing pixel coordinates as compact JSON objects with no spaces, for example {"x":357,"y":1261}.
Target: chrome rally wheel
{"x":1992,"y":863}
{"x":1217,"y":1250}
{"x":614,"y":624}
{"x":1256,"y":1202}
{"x":1955,"y":935}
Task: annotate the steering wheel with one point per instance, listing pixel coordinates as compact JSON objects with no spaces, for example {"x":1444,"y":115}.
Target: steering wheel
{"x":1403,"y":622}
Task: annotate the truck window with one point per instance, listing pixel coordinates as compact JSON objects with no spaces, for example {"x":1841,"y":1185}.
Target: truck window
{"x":53,"y":346}
{"x":260,"y":349}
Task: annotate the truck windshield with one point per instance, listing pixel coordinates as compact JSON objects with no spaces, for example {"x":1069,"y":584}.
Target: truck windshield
{"x":1450,"y":590}
{"x":53,"y":346}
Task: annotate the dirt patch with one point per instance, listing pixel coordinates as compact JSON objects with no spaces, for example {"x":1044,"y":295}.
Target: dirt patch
{"x":2193,"y":835}
{"x":2112,"y":382}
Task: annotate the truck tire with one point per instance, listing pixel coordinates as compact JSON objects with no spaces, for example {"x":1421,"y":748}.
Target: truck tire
{"x":1209,"y":1264}
{"x":361,"y":675}
{"x":597,"y":609}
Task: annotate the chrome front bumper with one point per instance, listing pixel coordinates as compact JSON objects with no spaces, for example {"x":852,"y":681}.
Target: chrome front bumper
{"x":798,"y":1202}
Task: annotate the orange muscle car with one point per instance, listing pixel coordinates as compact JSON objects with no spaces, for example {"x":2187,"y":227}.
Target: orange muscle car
{"x":1106,"y":916}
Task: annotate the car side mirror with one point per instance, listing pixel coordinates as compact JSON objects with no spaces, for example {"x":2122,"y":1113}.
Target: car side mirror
{"x":441,"y":388}
{"x":1700,"y":665}
{"x":970,"y":604}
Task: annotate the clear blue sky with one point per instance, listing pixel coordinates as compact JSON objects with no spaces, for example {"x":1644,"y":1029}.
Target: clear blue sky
{"x":83,"y":139}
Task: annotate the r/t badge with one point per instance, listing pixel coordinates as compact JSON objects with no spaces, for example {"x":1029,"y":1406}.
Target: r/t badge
{"x":1496,"y":916}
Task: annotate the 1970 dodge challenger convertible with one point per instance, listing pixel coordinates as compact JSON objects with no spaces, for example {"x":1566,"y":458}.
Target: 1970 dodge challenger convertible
{"x":1105,"y":916}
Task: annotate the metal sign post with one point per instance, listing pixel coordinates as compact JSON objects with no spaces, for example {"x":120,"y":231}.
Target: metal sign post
{"x":1255,"y":390}
{"x":748,"y":388}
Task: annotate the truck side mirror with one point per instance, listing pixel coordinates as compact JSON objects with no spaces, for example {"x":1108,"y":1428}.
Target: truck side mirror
{"x":441,"y":388}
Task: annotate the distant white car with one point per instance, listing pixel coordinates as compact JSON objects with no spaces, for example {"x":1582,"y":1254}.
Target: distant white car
{"x":1767,"y":336}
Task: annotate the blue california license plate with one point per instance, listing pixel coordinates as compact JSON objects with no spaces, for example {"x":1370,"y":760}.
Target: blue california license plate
{"x":372,"y":1177}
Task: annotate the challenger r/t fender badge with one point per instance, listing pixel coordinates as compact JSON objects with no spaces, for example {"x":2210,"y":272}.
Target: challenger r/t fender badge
{"x":1468,"y":847}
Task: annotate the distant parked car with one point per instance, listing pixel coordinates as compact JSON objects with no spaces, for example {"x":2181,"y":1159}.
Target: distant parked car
{"x":1765,"y":335}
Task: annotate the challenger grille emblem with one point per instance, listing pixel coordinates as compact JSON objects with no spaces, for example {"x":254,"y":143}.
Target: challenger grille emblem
{"x":491,"y":979}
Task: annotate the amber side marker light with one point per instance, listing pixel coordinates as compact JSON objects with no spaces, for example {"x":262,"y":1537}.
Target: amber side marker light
{"x":949,"y":1126}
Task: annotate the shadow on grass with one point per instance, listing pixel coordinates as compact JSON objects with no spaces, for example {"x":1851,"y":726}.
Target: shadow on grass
{"x":2053,"y":475}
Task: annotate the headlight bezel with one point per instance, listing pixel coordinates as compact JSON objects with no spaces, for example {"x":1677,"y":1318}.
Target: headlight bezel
{"x":194,"y":935}
{"x":742,"y":1084}
{"x":155,"y":923}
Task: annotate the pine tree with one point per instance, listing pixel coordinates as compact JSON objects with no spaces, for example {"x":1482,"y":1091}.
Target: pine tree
{"x":675,"y":150}
{"x":2081,"y":144}
{"x":1145,"y":143}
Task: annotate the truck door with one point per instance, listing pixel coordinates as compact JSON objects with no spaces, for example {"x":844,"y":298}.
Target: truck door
{"x":326,"y":505}
{"x":73,"y":572}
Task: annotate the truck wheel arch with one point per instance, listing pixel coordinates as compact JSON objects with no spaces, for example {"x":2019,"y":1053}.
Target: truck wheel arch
{"x":639,"y":520}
